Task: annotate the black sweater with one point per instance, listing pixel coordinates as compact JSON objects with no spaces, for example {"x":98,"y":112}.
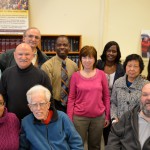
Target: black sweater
{"x":15,"y":82}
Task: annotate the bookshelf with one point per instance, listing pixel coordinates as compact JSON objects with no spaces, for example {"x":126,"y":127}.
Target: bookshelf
{"x":9,"y":42}
{"x":47,"y":44}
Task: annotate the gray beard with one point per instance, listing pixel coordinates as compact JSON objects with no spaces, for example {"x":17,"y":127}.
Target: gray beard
{"x":144,"y":110}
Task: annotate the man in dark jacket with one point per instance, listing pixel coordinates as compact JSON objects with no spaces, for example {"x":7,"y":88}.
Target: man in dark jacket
{"x":46,"y":128}
{"x":32,"y":37}
{"x":132,"y":132}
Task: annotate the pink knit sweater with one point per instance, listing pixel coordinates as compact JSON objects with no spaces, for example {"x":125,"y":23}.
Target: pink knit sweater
{"x":9,"y":131}
{"x":89,"y":97}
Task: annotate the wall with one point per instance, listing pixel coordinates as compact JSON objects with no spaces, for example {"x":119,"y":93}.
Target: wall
{"x":125,"y":20}
{"x":98,"y":21}
{"x":68,"y":17}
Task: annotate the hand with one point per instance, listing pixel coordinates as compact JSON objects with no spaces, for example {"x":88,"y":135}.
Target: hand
{"x":115,"y":120}
{"x":106,"y":123}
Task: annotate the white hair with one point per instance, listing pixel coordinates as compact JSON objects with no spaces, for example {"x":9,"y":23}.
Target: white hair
{"x":37,"y":89}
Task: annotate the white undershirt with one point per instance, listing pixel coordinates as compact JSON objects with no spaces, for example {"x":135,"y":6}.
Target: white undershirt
{"x":110,"y":78}
{"x":144,"y":129}
{"x":34,"y":58}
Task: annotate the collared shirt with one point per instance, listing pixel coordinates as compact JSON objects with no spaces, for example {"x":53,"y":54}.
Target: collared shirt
{"x":144,"y":129}
{"x":53,"y":69}
{"x":34,"y":58}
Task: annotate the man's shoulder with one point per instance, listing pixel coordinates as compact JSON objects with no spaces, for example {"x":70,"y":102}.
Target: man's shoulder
{"x":42,"y":54}
{"x":38,"y":70}
{"x":10,"y":69}
{"x":9,"y":53}
{"x":61,"y":114}
{"x":27,"y":118}
{"x":51,"y":60}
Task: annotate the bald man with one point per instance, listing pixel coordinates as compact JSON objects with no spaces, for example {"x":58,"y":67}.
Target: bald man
{"x":18,"y":79}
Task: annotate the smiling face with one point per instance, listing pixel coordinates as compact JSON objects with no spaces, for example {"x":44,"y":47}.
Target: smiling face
{"x":88,"y":62}
{"x":32,"y":37}
{"x":111,"y":54}
{"x":39,"y":105}
{"x":23,"y":55}
{"x":145,"y":100}
{"x":62,"y":47}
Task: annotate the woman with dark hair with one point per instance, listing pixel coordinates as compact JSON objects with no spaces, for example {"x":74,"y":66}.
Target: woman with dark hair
{"x":127,"y":89}
{"x":110,"y":63}
{"x":89,"y":101}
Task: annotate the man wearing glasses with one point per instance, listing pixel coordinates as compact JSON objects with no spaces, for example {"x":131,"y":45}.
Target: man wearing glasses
{"x":32,"y":37}
{"x":46,"y":128}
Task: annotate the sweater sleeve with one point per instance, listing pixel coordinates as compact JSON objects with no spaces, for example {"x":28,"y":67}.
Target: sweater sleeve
{"x":47,"y":68}
{"x":114,"y":102}
{"x":71,"y":97}
{"x":106,"y":96}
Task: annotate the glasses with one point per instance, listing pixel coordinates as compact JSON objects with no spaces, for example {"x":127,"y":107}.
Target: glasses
{"x":2,"y":104}
{"x":32,"y":36}
{"x":34,"y":106}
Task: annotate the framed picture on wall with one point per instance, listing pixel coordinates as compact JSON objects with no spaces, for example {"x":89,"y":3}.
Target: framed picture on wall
{"x":145,"y":43}
{"x":14,"y":16}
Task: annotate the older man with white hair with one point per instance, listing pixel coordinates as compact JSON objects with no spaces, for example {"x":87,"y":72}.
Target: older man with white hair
{"x":47,"y":128}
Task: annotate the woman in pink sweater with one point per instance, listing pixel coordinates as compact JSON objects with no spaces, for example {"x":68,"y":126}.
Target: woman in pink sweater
{"x":89,"y":101}
{"x":9,"y":128}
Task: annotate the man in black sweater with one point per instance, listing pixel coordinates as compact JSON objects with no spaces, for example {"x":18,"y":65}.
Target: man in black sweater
{"x":18,"y":79}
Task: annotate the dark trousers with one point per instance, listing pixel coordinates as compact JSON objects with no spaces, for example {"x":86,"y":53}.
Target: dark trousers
{"x":106,"y":133}
{"x":59,"y":106}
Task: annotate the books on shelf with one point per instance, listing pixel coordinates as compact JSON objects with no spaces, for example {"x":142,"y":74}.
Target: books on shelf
{"x":48,"y":44}
{"x":74,"y":58}
{"x":9,"y":43}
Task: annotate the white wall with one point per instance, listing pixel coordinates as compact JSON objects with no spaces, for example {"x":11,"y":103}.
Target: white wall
{"x":125,"y":20}
{"x":68,"y":17}
{"x":98,"y":21}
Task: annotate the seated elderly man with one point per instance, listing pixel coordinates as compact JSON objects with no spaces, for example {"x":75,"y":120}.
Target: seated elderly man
{"x":46,"y":128}
{"x":132,"y":132}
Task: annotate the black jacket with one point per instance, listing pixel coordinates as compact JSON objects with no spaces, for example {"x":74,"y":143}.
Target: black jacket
{"x":119,"y":71}
{"x":124,"y":134}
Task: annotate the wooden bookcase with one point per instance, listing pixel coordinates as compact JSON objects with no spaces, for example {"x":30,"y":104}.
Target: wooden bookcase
{"x":47,"y":44}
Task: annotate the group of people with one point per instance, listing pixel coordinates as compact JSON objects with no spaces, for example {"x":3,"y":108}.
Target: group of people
{"x":63,"y":113}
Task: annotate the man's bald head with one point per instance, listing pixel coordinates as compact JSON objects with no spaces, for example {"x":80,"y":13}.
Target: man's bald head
{"x":23,"y":55}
